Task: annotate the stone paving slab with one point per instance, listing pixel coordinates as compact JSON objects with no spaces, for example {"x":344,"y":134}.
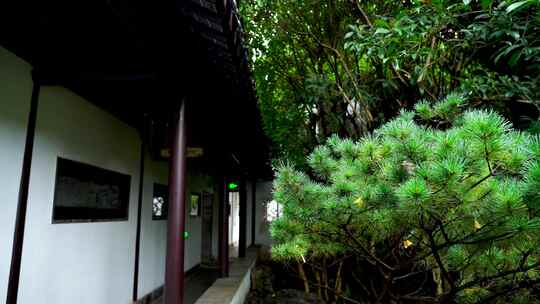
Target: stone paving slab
{"x":231,"y":290}
{"x":234,"y":289}
{"x":195,"y":285}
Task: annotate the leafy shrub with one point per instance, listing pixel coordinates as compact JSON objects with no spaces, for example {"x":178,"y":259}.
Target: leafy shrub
{"x":441,"y":204}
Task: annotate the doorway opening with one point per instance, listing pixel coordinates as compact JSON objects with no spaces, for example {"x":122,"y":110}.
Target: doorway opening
{"x":234,"y":223}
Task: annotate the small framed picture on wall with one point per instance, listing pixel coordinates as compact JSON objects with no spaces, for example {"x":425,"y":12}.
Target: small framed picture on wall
{"x":195,"y":204}
{"x":160,"y":202}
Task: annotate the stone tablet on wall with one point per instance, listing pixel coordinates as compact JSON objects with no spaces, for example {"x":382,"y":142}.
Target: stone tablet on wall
{"x":85,"y":193}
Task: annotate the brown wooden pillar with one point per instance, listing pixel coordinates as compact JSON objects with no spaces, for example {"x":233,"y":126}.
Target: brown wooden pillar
{"x":20,"y":218}
{"x":223,"y":226}
{"x":253,"y":210}
{"x":243,"y":219}
{"x":135,"y":295}
{"x":174,"y":271}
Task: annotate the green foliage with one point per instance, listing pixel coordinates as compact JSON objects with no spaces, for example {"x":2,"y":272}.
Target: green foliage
{"x":301,"y":72}
{"x":444,"y":191}
{"x":343,"y":67}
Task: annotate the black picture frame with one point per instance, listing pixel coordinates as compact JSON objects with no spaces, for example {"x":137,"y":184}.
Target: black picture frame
{"x":87,"y":193}
{"x":195,"y":204}
{"x":160,"y":202}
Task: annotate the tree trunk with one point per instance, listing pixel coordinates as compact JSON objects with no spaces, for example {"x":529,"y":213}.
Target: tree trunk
{"x":303,"y":276}
{"x":319,"y":283}
{"x":338,"y":281}
{"x":325,"y":280}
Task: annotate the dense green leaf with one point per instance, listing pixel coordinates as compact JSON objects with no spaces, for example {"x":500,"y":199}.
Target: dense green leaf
{"x":412,"y":198}
{"x":345,"y":67}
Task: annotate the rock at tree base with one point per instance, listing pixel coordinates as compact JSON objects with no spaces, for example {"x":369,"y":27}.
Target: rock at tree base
{"x":286,"y":296}
{"x":262,"y":280}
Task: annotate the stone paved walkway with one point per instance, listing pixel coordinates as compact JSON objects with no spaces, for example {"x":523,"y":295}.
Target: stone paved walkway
{"x":196,"y":284}
{"x":205,"y":286}
{"x":232,"y":290}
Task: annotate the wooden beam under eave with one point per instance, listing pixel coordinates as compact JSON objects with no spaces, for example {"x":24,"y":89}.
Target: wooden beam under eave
{"x":204,"y":4}
{"x":208,"y":22}
{"x":222,"y":42}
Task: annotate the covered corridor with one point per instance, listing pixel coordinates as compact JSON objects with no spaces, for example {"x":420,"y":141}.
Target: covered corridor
{"x":121,"y":125}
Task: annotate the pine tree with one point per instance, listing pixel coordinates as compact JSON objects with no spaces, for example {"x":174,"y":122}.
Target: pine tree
{"x":439,"y":205}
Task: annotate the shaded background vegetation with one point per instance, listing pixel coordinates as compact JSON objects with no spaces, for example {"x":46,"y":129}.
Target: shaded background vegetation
{"x":343,"y":67}
{"x":437,"y":206}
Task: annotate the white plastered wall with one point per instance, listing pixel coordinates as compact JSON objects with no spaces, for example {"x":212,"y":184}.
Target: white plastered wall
{"x":196,"y":183}
{"x":78,"y":262}
{"x":15,"y":94}
{"x":153,"y":232}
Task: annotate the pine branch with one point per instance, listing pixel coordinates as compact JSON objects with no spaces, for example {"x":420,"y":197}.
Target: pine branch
{"x":487,"y":279}
{"x":481,"y":181}
{"x":508,"y":289}
{"x":437,"y":257}
{"x":365,"y":250}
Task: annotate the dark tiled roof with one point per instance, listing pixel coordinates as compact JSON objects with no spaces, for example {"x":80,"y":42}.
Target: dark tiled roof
{"x":218,"y":25}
